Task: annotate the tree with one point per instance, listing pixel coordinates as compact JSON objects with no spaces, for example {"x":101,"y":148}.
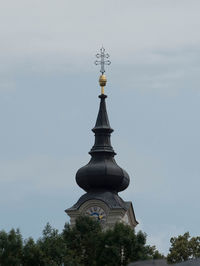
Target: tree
{"x":153,"y":253}
{"x":11,"y":248}
{"x":117,"y":246}
{"x":195,"y":246}
{"x":183,"y":248}
{"x":89,"y":245}
{"x":82,"y":241}
{"x":122,"y":245}
{"x":81,"y":245}
{"x":51,"y":247}
{"x":32,"y":254}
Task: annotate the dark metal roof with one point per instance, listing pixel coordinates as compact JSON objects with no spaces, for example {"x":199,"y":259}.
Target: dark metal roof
{"x":102,"y":172}
{"x":195,"y":262}
{"x":149,"y":263}
{"x":102,"y":118}
{"x":111,"y":199}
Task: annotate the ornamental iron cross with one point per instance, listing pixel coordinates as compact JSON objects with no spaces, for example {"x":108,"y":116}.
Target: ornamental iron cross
{"x":102,"y":61}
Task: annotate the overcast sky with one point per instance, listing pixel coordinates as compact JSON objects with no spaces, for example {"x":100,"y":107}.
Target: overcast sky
{"x":48,"y":105}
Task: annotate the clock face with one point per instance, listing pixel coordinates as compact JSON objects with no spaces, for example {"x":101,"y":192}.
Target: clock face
{"x":97,"y":213}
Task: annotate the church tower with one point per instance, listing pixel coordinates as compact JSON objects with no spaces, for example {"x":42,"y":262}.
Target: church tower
{"x":102,"y":179}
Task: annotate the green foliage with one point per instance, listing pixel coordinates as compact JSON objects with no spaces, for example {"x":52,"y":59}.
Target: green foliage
{"x":32,"y":255}
{"x":51,"y":246}
{"x":195,"y":246}
{"x":81,"y":245}
{"x":153,"y":253}
{"x":83,"y":240}
{"x":11,"y":248}
{"x":118,"y":246}
{"x":183,"y":248}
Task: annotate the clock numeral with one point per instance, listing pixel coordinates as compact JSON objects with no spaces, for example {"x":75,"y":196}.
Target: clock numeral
{"x":97,"y":213}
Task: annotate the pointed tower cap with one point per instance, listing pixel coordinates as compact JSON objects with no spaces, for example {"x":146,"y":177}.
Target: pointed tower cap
{"x":102,"y":172}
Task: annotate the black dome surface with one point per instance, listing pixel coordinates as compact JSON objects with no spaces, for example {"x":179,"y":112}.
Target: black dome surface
{"x":102,"y":172}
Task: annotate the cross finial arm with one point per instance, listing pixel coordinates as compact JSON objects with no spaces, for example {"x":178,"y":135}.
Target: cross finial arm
{"x":103,"y":60}
{"x":102,"y":56}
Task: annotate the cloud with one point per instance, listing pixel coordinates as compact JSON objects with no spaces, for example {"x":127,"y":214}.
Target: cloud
{"x":160,"y":234}
{"x":7,"y":86}
{"x":47,"y":52}
{"x":40,"y":174}
{"x":51,"y":35}
{"x":161,"y":238}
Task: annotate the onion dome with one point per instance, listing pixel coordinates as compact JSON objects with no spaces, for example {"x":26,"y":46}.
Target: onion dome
{"x":102,"y":172}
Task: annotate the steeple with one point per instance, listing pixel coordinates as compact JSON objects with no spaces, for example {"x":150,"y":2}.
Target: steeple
{"x":102,"y":172}
{"x":102,"y":178}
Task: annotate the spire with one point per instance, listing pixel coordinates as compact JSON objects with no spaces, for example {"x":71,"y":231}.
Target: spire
{"x":102,"y":127}
{"x":102,"y":172}
{"x":102,"y":118}
{"x":102,"y":130}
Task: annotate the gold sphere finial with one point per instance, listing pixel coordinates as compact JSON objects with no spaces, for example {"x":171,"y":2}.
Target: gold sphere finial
{"x":102,"y":82}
